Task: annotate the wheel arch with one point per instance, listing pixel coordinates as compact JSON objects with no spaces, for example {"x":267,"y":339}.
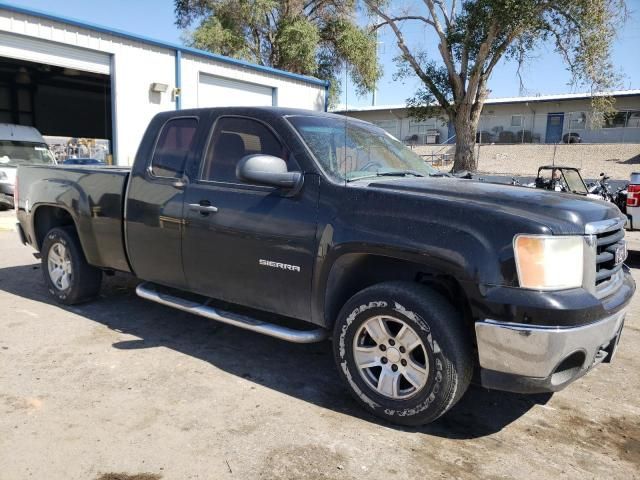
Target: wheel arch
{"x":355,"y":271}
{"x":46,"y":217}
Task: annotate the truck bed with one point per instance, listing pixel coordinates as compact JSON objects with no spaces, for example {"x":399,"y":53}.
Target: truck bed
{"x":92,"y":195}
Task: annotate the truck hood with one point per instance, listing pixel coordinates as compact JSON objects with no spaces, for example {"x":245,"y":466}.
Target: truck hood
{"x":562,"y":213}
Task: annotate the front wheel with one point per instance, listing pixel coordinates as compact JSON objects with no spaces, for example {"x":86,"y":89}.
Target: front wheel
{"x":68,"y":276}
{"x":403,"y":351}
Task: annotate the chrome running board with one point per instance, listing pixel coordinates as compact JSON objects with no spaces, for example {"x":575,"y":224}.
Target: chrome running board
{"x":148,"y":292}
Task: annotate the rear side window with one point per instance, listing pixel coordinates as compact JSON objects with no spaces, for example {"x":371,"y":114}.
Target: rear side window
{"x":173,"y":146}
{"x":232,"y":139}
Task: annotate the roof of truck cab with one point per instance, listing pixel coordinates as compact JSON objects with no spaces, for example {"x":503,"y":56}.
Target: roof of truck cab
{"x":280,"y":111}
{"x":20,"y":133}
{"x":259,"y":112}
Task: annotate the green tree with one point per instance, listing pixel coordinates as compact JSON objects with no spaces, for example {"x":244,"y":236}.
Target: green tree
{"x":474,"y":35}
{"x":310,"y":37}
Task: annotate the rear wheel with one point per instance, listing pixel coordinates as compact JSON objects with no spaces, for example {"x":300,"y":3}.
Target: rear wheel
{"x":403,"y":351}
{"x":68,"y":276}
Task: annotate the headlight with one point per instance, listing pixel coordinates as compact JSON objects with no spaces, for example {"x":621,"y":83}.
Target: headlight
{"x":3,"y":176}
{"x":549,"y":262}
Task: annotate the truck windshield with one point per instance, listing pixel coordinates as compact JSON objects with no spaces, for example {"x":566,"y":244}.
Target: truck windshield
{"x":352,"y":150}
{"x":14,"y":153}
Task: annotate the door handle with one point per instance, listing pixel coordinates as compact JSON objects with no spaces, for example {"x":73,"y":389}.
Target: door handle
{"x":205,"y":209}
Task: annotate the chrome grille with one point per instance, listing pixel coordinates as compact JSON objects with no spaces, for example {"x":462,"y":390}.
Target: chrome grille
{"x":609,"y":237}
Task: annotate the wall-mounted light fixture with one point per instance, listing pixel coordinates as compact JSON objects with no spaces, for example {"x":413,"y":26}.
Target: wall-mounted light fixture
{"x":159,"y":87}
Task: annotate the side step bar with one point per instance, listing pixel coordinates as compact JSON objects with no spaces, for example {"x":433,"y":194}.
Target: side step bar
{"x":147,"y":291}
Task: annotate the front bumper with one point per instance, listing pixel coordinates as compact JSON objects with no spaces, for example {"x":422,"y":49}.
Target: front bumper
{"x":531,"y":359}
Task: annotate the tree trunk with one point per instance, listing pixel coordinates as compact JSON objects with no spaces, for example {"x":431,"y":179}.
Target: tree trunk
{"x":464,"y":158}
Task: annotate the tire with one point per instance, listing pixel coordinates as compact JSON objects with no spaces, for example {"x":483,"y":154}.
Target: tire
{"x":70,"y":279}
{"x":440,"y":369}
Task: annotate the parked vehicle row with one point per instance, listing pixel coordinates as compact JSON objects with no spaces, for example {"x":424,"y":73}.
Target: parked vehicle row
{"x":569,"y":180}
{"x":302,"y":226}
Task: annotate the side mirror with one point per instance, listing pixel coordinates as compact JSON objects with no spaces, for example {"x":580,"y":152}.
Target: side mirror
{"x":267,"y":170}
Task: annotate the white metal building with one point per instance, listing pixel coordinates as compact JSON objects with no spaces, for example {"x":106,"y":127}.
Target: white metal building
{"x":72,"y":79}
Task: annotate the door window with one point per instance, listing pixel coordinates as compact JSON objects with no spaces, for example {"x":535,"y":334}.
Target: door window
{"x":172,"y":149}
{"x":234,"y":138}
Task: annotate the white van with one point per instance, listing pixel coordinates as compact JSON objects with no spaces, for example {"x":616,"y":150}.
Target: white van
{"x":19,"y":145}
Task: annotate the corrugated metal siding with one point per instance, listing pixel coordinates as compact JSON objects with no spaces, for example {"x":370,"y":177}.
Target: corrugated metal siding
{"x":34,"y":50}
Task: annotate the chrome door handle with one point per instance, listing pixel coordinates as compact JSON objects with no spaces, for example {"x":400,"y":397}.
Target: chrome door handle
{"x":203,"y":208}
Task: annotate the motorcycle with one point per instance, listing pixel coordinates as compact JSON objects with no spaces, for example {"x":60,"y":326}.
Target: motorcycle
{"x":603,"y":190}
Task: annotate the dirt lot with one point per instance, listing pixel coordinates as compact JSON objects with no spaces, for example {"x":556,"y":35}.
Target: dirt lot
{"x":122,"y":386}
{"x":617,"y":160}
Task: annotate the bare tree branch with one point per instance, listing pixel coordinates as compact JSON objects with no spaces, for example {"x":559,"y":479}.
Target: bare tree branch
{"x":409,"y":57}
{"x":445,"y":15}
{"x":402,"y":18}
{"x":445,"y":51}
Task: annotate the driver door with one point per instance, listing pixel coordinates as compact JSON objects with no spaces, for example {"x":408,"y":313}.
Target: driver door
{"x":249,"y":244}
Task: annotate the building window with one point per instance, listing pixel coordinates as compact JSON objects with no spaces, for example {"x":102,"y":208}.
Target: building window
{"x":173,"y":147}
{"x":421,"y":127}
{"x":633,"y":119}
{"x":577,"y":120}
{"x":615,"y":120}
{"x":390,"y":126}
{"x":516,"y":121}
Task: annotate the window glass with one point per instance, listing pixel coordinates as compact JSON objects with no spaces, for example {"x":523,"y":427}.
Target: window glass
{"x":351,"y":150}
{"x":633,"y":120}
{"x":516,"y":120}
{"x":173,"y":147}
{"x":615,"y":120}
{"x":14,"y":153}
{"x":391,"y":126}
{"x":234,"y":138}
{"x":418,"y":127}
{"x":577,"y":120}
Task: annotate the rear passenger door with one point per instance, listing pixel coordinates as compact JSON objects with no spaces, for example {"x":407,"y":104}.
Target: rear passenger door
{"x":255,"y":246}
{"x":154,"y":209}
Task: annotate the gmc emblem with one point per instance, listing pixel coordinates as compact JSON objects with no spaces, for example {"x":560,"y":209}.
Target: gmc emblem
{"x":621,"y":253}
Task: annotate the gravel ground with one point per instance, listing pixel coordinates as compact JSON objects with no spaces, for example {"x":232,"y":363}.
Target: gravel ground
{"x":122,"y":387}
{"x":617,"y":160}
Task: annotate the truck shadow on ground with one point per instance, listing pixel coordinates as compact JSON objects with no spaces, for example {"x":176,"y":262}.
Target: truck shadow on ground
{"x":306,"y":372}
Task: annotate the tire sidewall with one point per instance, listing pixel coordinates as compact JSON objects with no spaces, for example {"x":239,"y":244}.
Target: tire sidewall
{"x":53,"y":237}
{"x":429,"y":401}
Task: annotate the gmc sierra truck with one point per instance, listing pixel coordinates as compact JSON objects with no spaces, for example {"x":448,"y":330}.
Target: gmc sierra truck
{"x":304,"y":226}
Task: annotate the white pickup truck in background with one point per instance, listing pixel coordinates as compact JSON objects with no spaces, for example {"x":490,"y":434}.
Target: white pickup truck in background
{"x":19,"y":145}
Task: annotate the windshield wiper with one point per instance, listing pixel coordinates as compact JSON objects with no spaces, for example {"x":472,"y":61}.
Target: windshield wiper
{"x":399,"y":173}
{"x":393,"y":173}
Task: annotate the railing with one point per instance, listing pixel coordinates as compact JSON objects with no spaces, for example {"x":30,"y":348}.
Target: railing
{"x":438,"y":160}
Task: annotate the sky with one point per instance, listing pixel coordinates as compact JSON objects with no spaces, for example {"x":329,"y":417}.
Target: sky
{"x":544,"y":74}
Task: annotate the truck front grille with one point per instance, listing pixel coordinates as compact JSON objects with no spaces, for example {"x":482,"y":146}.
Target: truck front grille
{"x":609,"y":276}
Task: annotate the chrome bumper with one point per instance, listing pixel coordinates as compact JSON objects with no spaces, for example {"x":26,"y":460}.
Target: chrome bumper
{"x":551,"y":357}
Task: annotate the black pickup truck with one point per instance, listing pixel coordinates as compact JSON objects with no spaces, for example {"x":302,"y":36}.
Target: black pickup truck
{"x":304,"y":225}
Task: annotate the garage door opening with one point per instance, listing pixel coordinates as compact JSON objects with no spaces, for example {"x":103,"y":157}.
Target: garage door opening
{"x":70,"y":107}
